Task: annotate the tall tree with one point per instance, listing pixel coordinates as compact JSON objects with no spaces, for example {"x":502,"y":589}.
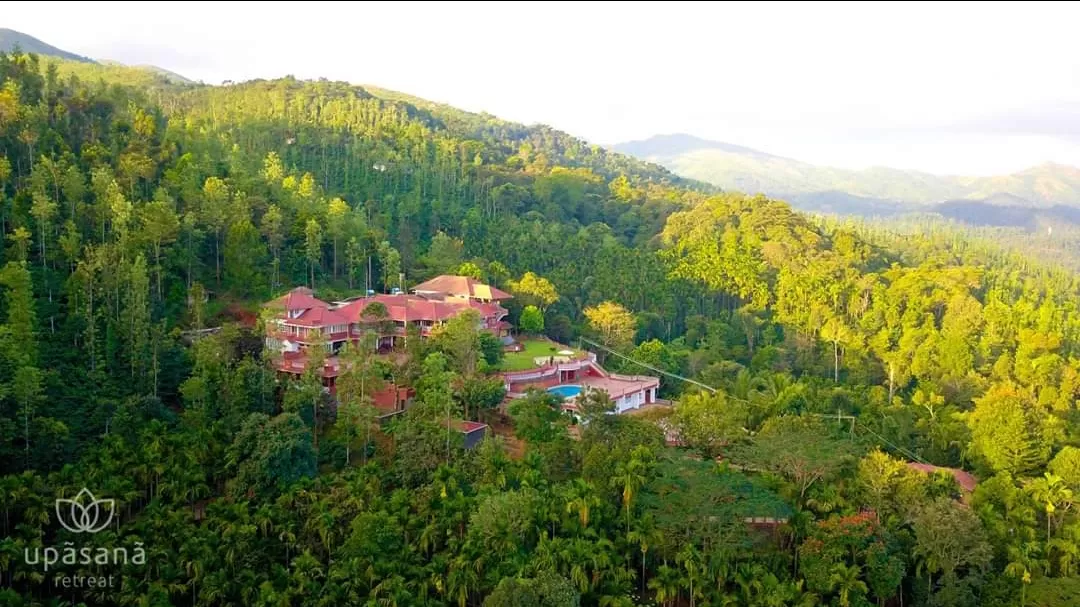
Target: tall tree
{"x":244,"y":251}
{"x":215,"y":212}
{"x":312,"y":247}
{"x":160,"y":225}
{"x":950,"y":540}
{"x":43,"y":210}
{"x":460,"y":339}
{"x":536,"y":290}
{"x":20,"y":346}
{"x":613,"y":324}
{"x":270,"y":454}
{"x":532,"y":320}
{"x":390,"y":260}
{"x":358,"y":379}
{"x":136,"y":317}
{"x":337,"y":216}
{"x":1010,"y":432}
{"x":272,"y":230}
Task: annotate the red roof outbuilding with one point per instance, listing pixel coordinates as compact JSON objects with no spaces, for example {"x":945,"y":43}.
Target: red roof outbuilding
{"x":461,"y":286}
{"x":963,"y":478}
{"x":300,"y":298}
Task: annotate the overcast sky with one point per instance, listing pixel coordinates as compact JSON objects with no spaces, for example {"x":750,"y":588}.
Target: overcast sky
{"x":963,"y":88}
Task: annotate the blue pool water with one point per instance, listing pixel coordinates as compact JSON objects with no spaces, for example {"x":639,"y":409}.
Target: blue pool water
{"x":565,"y":391}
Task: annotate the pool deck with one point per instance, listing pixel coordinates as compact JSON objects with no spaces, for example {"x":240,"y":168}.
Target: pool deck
{"x":615,"y":385}
{"x":628,"y":391}
{"x":575,"y":389}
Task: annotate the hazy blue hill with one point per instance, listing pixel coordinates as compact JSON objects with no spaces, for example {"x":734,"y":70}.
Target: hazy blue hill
{"x":10,"y":39}
{"x":872,"y":191}
{"x":661,"y":147}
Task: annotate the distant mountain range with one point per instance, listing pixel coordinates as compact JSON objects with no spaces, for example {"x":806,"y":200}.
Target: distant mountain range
{"x":11,"y":39}
{"x":1047,"y":190}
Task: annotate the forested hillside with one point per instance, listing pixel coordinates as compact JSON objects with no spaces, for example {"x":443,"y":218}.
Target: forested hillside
{"x":135,"y":210}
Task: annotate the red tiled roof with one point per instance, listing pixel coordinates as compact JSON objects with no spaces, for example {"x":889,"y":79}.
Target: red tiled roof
{"x":389,"y":397}
{"x":415,"y":308}
{"x":319,"y":317}
{"x":468,"y":427}
{"x":353,"y":310}
{"x":487,"y":309}
{"x":300,"y":298}
{"x":462,"y":286}
{"x":963,"y":478}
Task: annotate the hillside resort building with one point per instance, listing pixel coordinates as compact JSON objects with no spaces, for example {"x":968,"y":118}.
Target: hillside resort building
{"x":300,"y":322}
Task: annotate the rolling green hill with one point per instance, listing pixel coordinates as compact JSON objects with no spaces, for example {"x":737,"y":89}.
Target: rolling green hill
{"x":11,"y":39}
{"x":158,"y":72}
{"x":86,"y":68}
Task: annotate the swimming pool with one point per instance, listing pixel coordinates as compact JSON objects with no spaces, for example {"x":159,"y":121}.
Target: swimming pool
{"x":565,"y":391}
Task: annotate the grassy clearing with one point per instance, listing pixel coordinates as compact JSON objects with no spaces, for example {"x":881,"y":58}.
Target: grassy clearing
{"x":520,"y":361}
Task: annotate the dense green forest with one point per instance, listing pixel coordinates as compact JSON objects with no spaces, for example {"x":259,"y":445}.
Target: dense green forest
{"x":135,"y":210}
{"x":1051,"y":244}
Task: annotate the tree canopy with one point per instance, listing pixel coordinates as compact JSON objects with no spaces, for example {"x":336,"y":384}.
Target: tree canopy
{"x":146,"y":221}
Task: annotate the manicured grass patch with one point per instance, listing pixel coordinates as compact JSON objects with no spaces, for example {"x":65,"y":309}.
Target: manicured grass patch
{"x":519,"y":361}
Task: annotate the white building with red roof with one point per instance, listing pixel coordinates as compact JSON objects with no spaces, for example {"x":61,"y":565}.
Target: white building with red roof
{"x":301,"y":321}
{"x":568,"y":376}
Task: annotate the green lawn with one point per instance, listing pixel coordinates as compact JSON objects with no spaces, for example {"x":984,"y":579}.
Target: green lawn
{"x":519,"y":361}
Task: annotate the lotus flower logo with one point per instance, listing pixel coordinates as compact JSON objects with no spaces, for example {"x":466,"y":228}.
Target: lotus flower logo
{"x":84,"y":514}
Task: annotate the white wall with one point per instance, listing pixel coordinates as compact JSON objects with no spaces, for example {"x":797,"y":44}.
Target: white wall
{"x":630,"y":401}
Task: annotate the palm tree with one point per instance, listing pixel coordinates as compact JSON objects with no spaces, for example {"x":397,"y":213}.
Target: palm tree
{"x":429,"y":537}
{"x":1068,"y":552}
{"x":547,"y":555}
{"x":645,"y":535}
{"x":1054,"y":494}
{"x":666,"y":585}
{"x":632,"y":476}
{"x":719,"y":569}
{"x":391,"y":592}
{"x":845,"y":580}
{"x":322,"y":521}
{"x":575,"y":556}
{"x":287,"y":536}
{"x":194,"y":555}
{"x":742,"y":387}
{"x":1024,"y":561}
{"x":775,"y":593}
{"x":461,"y":579}
{"x":748,"y":576}
{"x":9,"y":491}
{"x":804,"y":598}
{"x":774,"y":391}
{"x":797,"y":526}
{"x":616,"y":601}
{"x":581,"y":498}
{"x":690,"y":560}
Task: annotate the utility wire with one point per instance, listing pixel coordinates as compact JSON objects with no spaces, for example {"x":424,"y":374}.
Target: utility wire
{"x":712,"y":390}
{"x":648,"y":366}
{"x":887,"y":442}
